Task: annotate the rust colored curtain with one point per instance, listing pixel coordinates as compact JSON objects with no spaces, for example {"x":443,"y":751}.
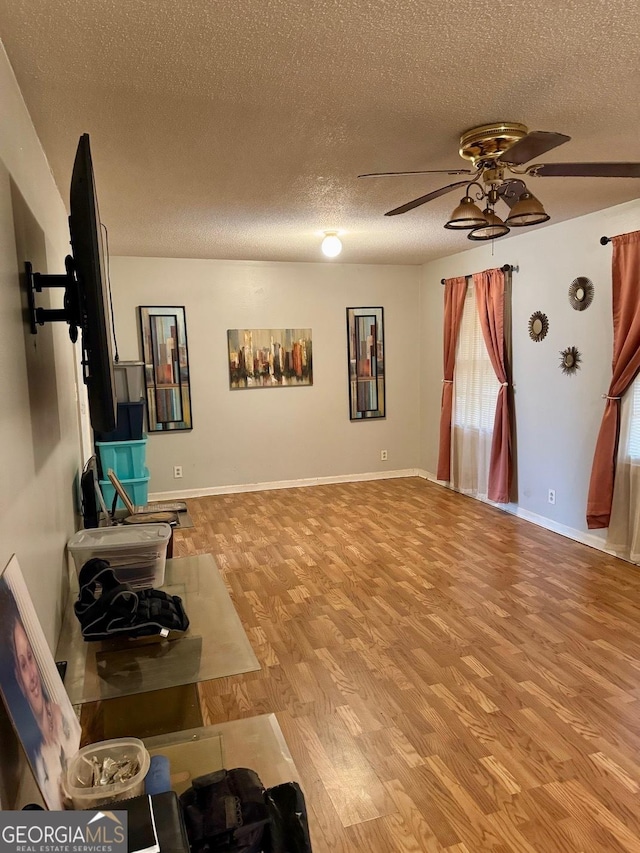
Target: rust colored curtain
{"x":625,"y":273}
{"x":489,"y":290}
{"x":454,"y":293}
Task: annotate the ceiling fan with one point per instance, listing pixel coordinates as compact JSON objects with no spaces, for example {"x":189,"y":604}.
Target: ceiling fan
{"x":497,"y":152}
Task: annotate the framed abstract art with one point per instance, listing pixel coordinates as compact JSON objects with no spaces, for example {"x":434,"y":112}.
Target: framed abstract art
{"x":270,"y":358}
{"x":166,"y":365}
{"x":365,"y":345}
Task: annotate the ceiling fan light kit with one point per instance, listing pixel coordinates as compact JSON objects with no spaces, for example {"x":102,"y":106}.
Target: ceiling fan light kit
{"x":466,"y":215}
{"x":495,"y":150}
{"x":493,"y":228}
{"x":528,"y":210}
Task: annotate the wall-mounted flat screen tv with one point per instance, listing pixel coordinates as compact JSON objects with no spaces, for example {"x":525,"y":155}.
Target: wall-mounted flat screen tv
{"x":86,"y":301}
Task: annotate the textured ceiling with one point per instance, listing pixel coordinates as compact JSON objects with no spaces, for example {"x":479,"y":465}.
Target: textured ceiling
{"x":236,"y":128}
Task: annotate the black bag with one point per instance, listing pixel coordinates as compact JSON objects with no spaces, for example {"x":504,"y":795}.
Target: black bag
{"x":225,"y":812}
{"x":229,"y":811}
{"x":289,"y":829}
{"x":120,"y":611}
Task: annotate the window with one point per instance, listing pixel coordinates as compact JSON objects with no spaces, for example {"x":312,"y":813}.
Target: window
{"x":623,"y":534}
{"x":475,"y":384}
{"x":475,"y":393}
{"x":633,"y":447}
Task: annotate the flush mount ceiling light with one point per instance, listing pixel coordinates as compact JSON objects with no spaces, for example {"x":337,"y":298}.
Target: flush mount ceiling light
{"x":331,"y":245}
{"x":498,"y":151}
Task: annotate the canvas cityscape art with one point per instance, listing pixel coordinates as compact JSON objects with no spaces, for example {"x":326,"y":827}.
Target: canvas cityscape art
{"x":269,"y":358}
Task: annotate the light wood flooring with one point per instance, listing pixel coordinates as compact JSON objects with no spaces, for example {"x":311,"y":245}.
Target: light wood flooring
{"x":448,"y":677}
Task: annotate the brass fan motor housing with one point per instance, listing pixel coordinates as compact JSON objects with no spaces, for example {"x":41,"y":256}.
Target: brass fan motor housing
{"x":489,"y":141}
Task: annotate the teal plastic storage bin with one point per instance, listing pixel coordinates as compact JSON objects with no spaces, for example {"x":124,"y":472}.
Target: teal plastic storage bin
{"x":126,"y":458}
{"x":137,"y":488}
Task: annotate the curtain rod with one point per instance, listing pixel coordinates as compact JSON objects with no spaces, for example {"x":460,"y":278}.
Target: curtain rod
{"x":505,"y":268}
{"x":605,"y":240}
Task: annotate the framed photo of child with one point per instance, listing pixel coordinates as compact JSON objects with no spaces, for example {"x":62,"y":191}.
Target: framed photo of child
{"x":32,"y":689}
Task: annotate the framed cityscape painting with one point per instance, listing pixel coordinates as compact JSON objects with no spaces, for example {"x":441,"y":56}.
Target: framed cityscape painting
{"x":365,"y":344}
{"x":270,"y":358}
{"x":166,"y":365}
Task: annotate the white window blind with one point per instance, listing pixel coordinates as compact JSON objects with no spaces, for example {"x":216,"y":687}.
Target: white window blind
{"x":475,"y":384}
{"x":634,"y":427}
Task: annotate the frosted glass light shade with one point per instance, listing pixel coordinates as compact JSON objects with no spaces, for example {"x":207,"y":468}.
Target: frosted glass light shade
{"x":528,"y":210}
{"x":331,"y":245}
{"x":493,"y":229}
{"x":466,"y":215}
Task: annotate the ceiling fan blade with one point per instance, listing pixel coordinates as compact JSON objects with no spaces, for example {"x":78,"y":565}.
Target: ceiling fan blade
{"x":534,"y":144}
{"x":426,"y":172}
{"x":511,"y":191}
{"x":424,"y":198}
{"x":585,"y":170}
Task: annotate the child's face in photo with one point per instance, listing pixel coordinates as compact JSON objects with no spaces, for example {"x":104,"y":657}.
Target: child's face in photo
{"x":27,"y":672}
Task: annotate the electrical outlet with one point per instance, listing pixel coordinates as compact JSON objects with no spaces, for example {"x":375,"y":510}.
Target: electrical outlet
{"x":552,"y":496}
{"x":177,"y":472}
{"x":383,"y":455}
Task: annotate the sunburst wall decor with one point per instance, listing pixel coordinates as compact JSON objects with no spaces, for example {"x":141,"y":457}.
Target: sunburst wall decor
{"x":581,"y":293}
{"x":538,"y":326}
{"x":570,"y":360}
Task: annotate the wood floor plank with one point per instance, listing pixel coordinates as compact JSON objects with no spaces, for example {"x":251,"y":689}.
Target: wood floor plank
{"x":448,"y":677}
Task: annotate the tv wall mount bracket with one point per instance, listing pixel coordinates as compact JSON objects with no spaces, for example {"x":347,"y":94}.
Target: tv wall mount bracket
{"x":71,"y":313}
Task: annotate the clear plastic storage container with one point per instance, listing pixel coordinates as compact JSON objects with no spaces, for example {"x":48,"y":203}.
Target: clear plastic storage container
{"x":77,"y":782}
{"x":137,"y":553}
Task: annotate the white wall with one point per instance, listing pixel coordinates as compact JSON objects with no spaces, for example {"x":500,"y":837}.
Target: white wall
{"x":557,"y":416}
{"x":281,"y":434}
{"x":38,"y":424}
{"x":38,"y":414}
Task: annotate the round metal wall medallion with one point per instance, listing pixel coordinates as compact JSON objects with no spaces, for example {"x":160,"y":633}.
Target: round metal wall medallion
{"x":581,"y":293}
{"x":538,"y":326}
{"x":570,"y":360}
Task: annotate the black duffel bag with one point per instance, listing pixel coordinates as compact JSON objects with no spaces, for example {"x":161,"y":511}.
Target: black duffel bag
{"x":107,"y":608}
{"x":226,"y":811}
{"x":229,"y":811}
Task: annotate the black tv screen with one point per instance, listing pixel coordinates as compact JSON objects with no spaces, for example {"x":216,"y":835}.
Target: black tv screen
{"x":86,"y":243}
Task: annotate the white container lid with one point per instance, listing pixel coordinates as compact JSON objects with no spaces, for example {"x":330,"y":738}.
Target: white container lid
{"x":123,"y":536}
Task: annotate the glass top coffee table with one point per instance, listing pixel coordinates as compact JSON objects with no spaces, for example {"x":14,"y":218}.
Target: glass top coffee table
{"x":215,"y":645}
{"x":255,"y":742}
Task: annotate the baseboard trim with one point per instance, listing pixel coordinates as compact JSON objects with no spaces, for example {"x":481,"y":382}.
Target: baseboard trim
{"x":282,"y":484}
{"x":581,"y":536}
